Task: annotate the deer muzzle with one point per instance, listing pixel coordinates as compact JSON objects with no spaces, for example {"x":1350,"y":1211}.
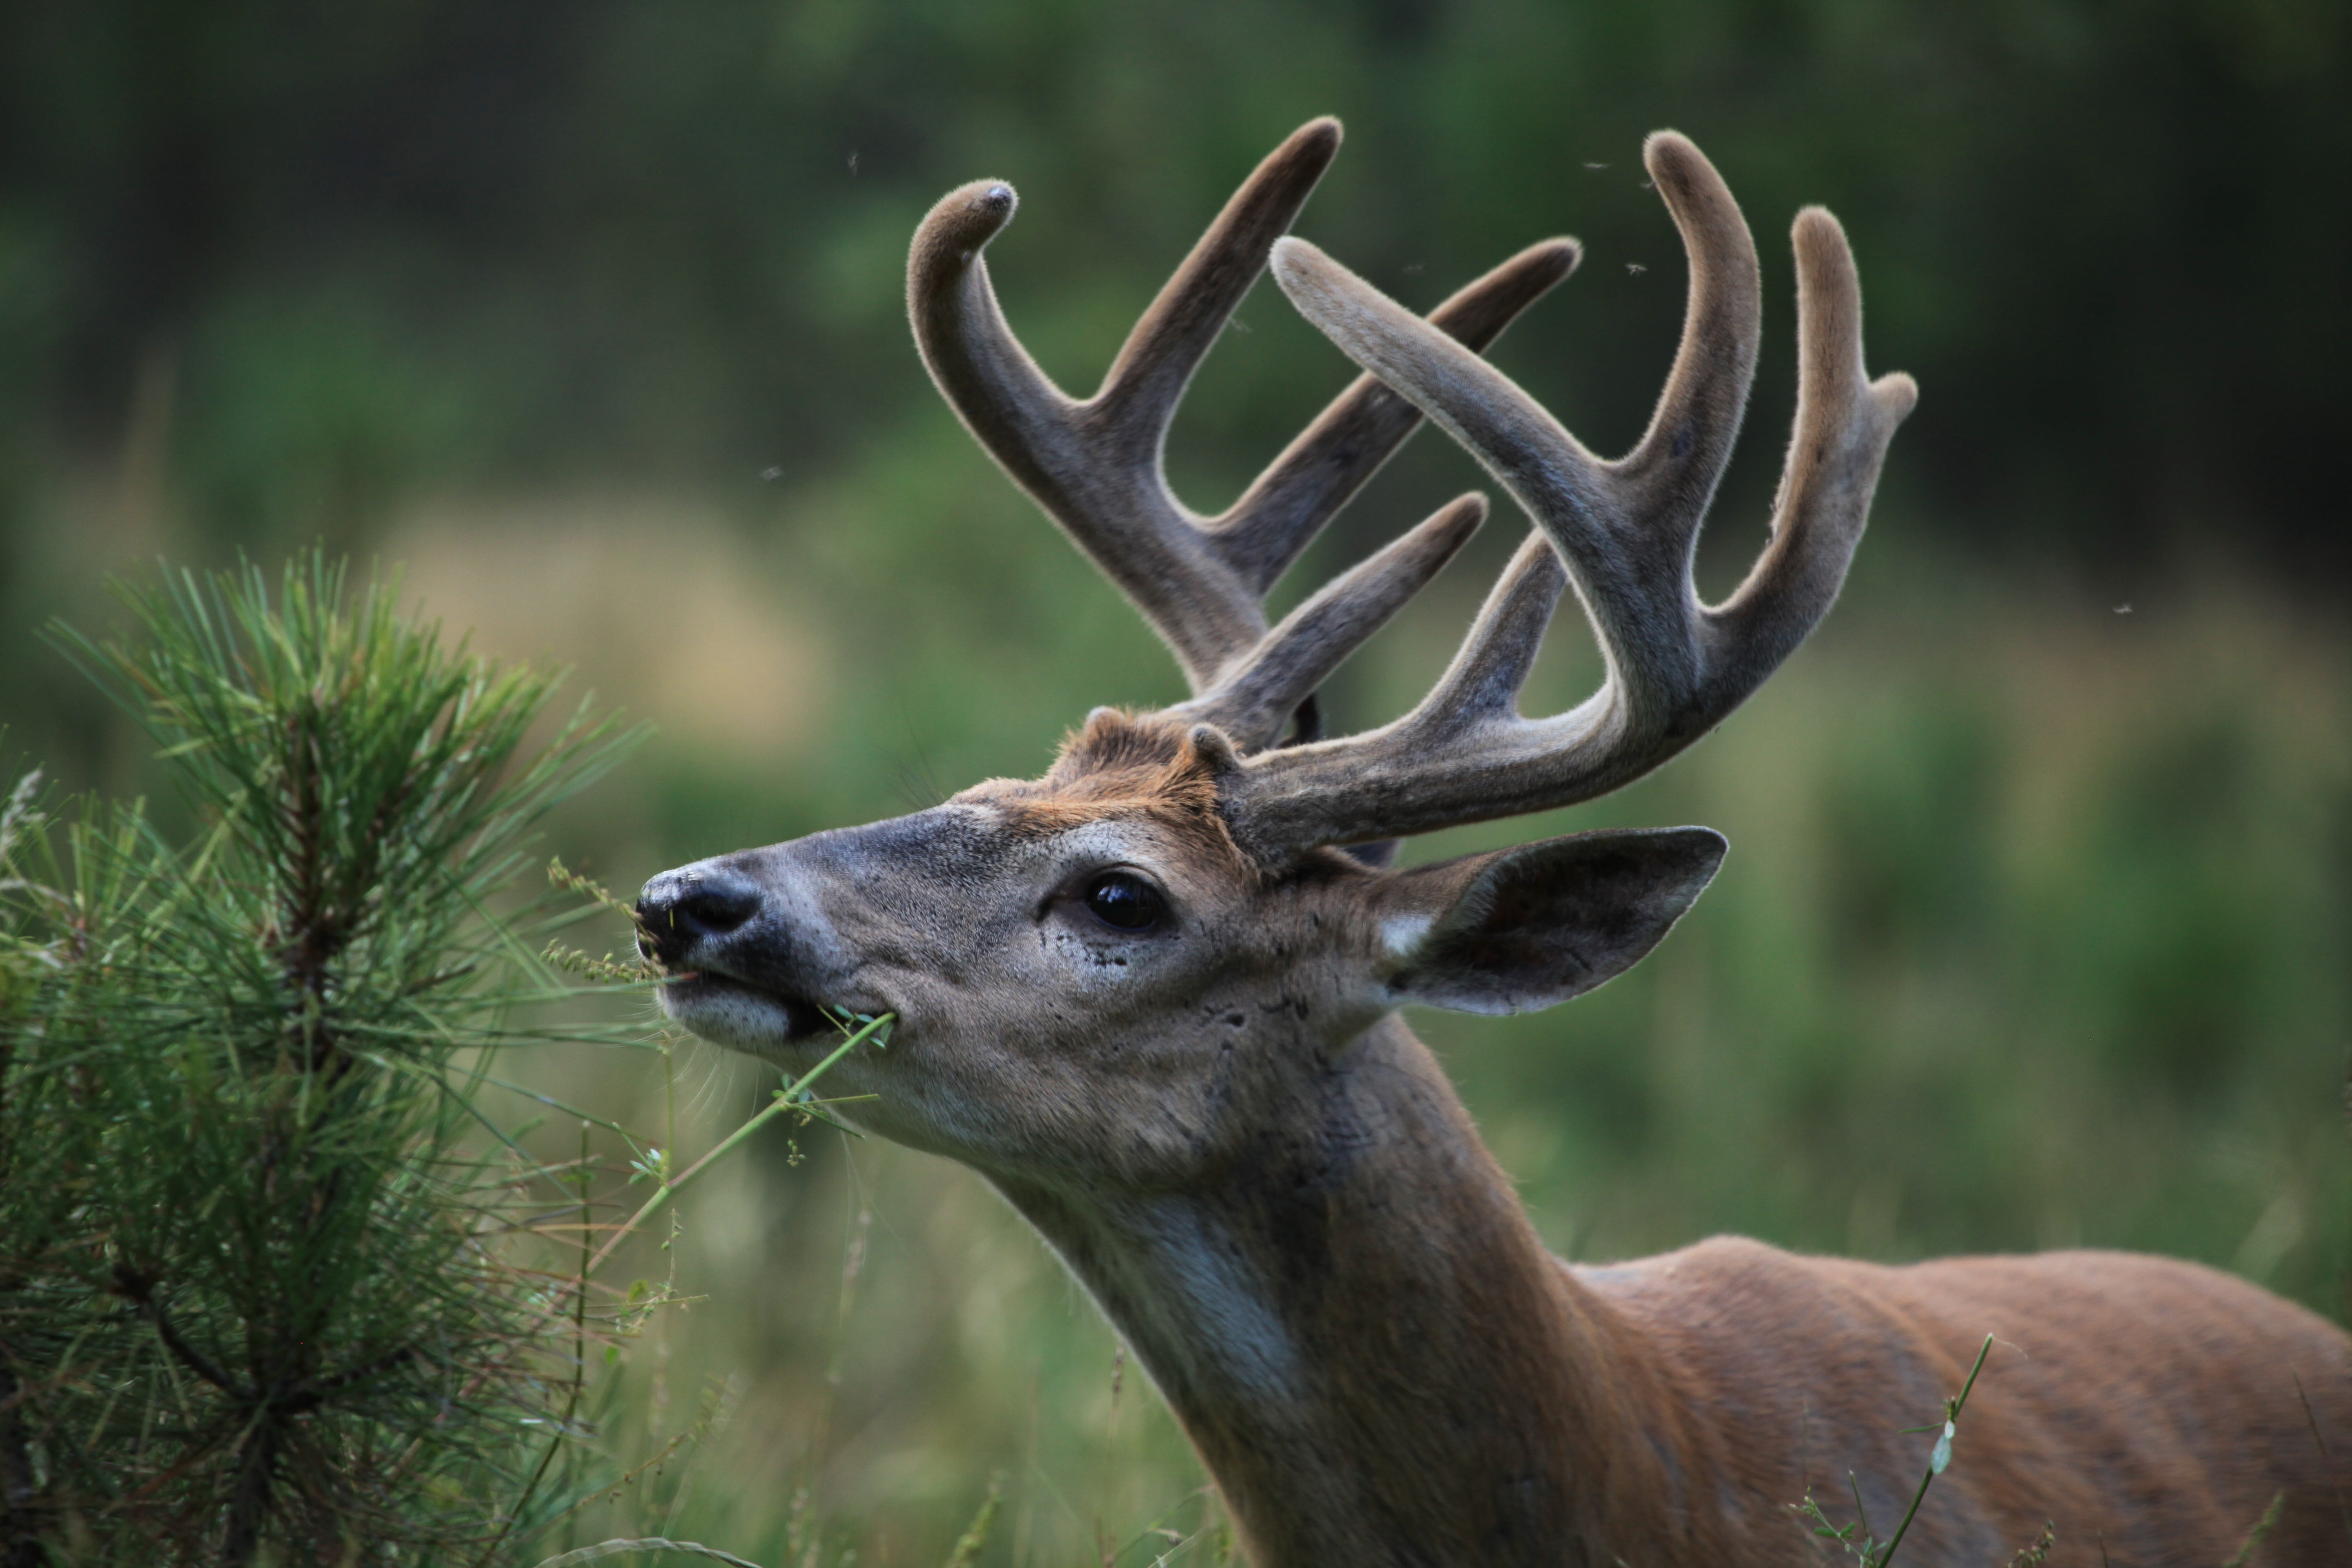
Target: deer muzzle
{"x":741,"y":959}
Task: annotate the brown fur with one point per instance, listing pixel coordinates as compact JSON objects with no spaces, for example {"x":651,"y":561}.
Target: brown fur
{"x":1123,"y":764}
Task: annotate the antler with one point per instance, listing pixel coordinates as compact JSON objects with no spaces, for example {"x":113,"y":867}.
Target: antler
{"x":1623,"y":532}
{"x":1095,"y":466}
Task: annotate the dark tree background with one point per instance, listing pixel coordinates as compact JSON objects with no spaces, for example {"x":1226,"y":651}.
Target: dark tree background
{"x":388,"y":245}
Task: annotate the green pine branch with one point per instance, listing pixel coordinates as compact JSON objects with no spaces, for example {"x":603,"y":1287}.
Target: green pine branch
{"x":260,"y":1299}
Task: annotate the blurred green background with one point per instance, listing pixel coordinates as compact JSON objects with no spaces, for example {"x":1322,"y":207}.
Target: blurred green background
{"x":587,"y":313}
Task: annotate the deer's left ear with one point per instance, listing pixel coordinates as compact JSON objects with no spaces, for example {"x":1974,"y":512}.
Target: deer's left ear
{"x":1521,"y":929}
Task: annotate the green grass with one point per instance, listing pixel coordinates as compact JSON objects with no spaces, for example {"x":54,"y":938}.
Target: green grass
{"x":2031,"y":935}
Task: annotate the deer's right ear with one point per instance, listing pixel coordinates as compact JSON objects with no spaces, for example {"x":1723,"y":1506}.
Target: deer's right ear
{"x":1522,"y":929}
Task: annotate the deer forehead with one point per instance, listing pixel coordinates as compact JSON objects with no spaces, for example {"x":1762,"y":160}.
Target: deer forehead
{"x":1125,"y":788}
{"x":976,"y":860}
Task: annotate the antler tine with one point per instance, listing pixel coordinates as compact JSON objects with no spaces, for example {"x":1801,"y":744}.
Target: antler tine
{"x":1140,"y":393}
{"x":1258,"y":696}
{"x":1624,"y":534}
{"x":1095,"y":465}
{"x":1280,"y":514}
{"x":1680,"y":458}
{"x":1115,"y":508}
{"x":1482,"y":685}
{"x":1844,"y":421}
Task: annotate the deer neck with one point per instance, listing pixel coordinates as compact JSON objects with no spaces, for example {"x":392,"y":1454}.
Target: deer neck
{"x":1360,"y":1333}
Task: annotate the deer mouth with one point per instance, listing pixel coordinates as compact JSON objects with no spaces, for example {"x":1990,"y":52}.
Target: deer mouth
{"x":731,"y":1011}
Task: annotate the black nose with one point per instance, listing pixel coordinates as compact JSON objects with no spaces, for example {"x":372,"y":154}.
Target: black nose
{"x":678,"y":909}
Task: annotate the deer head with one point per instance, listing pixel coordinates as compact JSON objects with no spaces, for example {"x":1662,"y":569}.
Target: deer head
{"x":1121,"y":973}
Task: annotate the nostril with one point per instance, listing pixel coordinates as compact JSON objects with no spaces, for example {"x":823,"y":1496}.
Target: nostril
{"x":679,"y":907}
{"x":716,"y":906}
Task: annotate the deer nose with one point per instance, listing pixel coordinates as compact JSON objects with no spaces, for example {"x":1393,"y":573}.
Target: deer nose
{"x":678,"y":909}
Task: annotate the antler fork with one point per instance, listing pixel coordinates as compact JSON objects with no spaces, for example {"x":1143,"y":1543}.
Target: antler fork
{"x":1095,"y":466}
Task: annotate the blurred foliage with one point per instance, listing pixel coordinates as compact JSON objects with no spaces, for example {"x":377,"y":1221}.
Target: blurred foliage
{"x":2033,"y":931}
{"x":371,"y":247}
{"x":2032,"y":935}
{"x":260,"y":1298}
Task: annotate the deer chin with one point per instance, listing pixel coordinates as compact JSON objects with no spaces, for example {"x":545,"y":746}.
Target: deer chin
{"x":730,"y":1011}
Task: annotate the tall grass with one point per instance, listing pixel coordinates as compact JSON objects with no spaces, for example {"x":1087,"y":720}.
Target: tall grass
{"x":2031,"y":935}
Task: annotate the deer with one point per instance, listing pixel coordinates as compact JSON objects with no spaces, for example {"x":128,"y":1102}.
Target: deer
{"x":1152,"y":996}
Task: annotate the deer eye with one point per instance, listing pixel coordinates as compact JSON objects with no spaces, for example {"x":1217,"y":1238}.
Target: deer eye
{"x":1126,"y":900}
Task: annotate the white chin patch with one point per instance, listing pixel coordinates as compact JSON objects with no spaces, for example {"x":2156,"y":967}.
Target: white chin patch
{"x":728,"y":1014}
